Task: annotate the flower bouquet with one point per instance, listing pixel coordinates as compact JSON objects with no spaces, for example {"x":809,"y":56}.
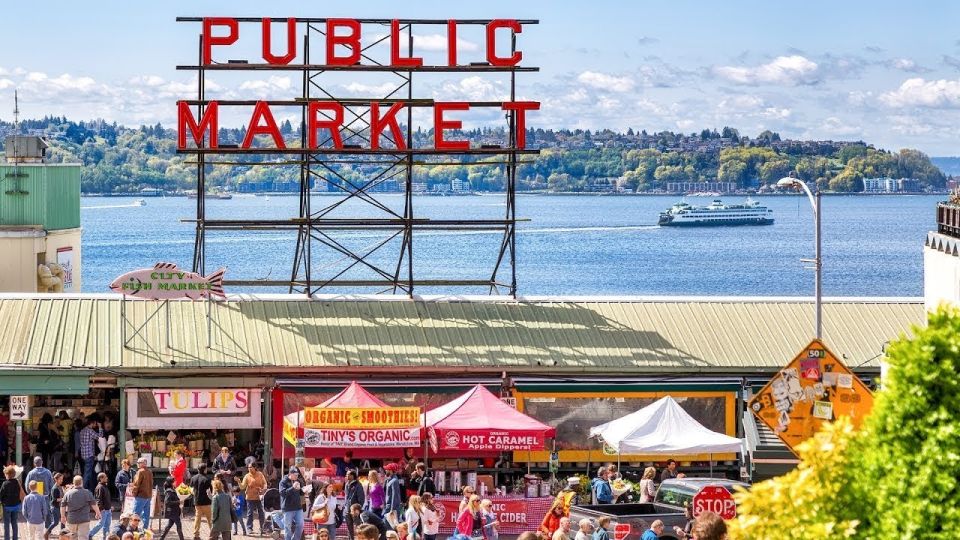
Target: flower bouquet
{"x":184,"y":492}
{"x":619,"y":487}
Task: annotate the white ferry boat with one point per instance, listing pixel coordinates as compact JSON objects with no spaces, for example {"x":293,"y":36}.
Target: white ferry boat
{"x":716,"y":214}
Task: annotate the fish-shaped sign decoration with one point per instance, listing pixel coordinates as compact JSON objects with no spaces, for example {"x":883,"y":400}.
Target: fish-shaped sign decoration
{"x":165,"y":281}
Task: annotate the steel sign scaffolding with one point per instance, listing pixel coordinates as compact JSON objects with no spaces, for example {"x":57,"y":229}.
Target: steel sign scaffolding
{"x":396,"y":229}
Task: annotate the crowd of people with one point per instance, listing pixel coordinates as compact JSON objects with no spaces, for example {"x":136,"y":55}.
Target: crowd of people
{"x":397,"y":501}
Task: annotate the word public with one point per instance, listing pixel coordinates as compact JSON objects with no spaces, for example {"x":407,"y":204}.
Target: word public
{"x":344,"y":49}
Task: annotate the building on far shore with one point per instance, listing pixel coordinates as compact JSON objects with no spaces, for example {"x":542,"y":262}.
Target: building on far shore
{"x":39,"y":220}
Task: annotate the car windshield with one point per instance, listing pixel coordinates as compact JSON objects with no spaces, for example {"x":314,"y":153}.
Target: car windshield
{"x":675,"y":495}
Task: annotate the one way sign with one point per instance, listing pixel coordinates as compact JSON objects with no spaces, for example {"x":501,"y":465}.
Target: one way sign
{"x":19,"y":408}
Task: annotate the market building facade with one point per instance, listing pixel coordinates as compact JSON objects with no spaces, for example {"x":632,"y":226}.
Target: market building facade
{"x":229,"y":371}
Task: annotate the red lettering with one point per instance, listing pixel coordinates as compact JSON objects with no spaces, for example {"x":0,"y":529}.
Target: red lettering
{"x":521,"y":108}
{"x":492,"y":57}
{"x":196,"y":401}
{"x":163,"y":399}
{"x":439,"y":124}
{"x":210,"y":40}
{"x":351,"y":41}
{"x":291,"y":42}
{"x":262,"y":112}
{"x":395,"y":58}
{"x":378,"y":123}
{"x":208,"y":123}
{"x":333,"y":124}
{"x":451,"y":42}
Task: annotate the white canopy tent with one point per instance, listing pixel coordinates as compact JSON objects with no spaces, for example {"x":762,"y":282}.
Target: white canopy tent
{"x":663,"y":427}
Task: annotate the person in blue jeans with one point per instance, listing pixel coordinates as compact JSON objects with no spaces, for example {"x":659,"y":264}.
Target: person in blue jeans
{"x":291,"y":503}
{"x":88,"y":450}
{"x":105,"y":503}
{"x":239,"y":509}
{"x":10,"y":500}
{"x":143,"y":491}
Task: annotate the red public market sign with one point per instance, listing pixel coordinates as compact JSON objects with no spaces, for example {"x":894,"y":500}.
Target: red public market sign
{"x":715,"y":499}
{"x":344,"y":48}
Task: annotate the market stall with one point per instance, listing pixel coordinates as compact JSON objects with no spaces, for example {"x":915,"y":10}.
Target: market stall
{"x":476,"y":423}
{"x":355,"y":420}
{"x":197,"y":421}
{"x":663,"y":428}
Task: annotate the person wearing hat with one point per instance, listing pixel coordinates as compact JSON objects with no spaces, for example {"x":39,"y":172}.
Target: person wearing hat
{"x":123,"y":525}
{"x":394,"y":495}
{"x":291,"y":504}
{"x":143,"y":491}
{"x":569,"y":495}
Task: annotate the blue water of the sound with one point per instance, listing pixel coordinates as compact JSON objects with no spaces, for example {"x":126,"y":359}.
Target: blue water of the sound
{"x":571,"y":245}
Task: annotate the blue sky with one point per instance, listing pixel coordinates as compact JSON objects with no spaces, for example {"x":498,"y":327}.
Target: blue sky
{"x":882,"y":71}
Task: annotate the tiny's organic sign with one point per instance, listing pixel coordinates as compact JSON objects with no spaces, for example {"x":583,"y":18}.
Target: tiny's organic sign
{"x":165,"y":281}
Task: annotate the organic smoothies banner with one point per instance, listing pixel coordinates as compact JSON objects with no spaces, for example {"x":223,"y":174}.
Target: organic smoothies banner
{"x":202,"y":408}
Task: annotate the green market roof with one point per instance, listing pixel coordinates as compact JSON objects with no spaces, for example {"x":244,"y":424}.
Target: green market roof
{"x":289,"y":335}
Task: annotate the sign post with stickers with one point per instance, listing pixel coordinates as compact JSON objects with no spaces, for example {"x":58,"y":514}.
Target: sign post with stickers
{"x":814,"y":388}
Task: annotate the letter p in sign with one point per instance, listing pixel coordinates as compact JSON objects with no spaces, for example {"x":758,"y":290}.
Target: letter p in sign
{"x":715,"y":499}
{"x":19,"y":408}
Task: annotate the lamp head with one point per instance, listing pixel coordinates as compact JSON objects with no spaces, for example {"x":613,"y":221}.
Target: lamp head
{"x":788,"y":181}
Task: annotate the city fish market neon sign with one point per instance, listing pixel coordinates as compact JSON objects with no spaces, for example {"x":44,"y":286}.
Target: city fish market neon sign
{"x":166,"y":281}
{"x":343,"y":48}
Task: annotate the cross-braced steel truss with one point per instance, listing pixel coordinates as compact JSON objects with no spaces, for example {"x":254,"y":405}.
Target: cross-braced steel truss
{"x":318,"y":223}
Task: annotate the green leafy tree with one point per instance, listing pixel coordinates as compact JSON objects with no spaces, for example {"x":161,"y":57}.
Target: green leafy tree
{"x":815,"y":500}
{"x":911,"y":440}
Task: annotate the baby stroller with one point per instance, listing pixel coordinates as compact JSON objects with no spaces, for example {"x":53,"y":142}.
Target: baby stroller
{"x":274,"y":517}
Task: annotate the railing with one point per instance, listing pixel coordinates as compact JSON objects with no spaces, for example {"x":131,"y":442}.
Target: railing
{"x":948,"y":219}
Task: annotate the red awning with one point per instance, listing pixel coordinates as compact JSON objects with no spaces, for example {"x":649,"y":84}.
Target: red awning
{"x":481,"y":421}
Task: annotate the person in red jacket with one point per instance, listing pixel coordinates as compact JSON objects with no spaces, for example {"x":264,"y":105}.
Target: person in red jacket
{"x":178,"y":468}
{"x":470,"y":521}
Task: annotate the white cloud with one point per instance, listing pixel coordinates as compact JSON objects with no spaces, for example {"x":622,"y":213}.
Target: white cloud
{"x":919,"y":92}
{"x":272,"y":83}
{"x":606,"y":82}
{"x":370,"y":90}
{"x":783,"y":70}
{"x":147,"y":80}
{"x":686,"y":124}
{"x":438,"y":43}
{"x":6,"y":83}
{"x":473,"y":88}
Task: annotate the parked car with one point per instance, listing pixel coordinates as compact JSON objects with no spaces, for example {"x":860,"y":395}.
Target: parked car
{"x":668,"y":506}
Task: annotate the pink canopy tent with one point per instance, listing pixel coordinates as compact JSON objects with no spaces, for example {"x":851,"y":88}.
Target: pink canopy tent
{"x":353,"y":396}
{"x":480,"y":422}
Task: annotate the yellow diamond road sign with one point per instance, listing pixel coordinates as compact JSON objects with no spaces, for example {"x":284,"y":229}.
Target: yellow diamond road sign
{"x":814,"y":388}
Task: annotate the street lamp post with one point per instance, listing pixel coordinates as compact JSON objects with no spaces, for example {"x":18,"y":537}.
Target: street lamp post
{"x":817,"y":260}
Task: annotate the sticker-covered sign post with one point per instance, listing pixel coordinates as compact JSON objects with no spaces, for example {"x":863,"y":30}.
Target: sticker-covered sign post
{"x":814,"y":388}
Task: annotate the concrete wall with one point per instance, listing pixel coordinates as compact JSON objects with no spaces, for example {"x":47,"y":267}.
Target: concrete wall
{"x":21,"y":250}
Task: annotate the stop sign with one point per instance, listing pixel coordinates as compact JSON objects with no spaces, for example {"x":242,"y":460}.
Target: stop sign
{"x":715,"y":499}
